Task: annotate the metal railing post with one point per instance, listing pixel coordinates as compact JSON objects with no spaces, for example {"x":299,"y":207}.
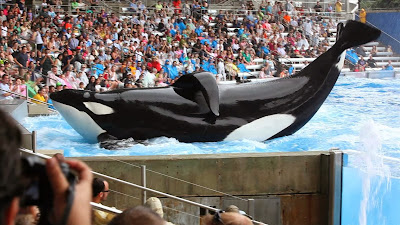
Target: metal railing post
{"x":250,"y":207}
{"x":34,"y":141}
{"x":144,"y":193}
{"x":26,"y":92}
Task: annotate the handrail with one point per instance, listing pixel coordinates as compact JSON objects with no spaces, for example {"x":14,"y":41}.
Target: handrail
{"x":105,"y":208}
{"x":29,"y":100}
{"x":141,"y":187}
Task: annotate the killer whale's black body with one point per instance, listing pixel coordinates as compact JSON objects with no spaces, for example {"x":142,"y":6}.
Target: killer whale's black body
{"x":196,"y":109}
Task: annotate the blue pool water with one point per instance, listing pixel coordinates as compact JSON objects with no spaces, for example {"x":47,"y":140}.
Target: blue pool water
{"x":360,"y":116}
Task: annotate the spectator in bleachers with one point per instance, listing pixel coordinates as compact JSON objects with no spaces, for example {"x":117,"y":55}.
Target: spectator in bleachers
{"x":5,"y":88}
{"x":112,"y":46}
{"x":138,"y":216}
{"x":21,"y":59}
{"x":371,"y":63}
{"x":318,"y":7}
{"x":389,"y":49}
{"x":220,"y":218}
{"x":363,"y":16}
{"x":362,"y":64}
{"x":338,"y":6}
{"x":389,"y":66}
{"x":374,"y":51}
{"x":41,"y":97}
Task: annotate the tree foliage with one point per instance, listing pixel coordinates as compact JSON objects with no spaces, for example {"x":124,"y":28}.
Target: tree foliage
{"x":381,"y":4}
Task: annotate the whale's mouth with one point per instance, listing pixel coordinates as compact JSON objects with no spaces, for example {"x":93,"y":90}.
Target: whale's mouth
{"x":80,"y":121}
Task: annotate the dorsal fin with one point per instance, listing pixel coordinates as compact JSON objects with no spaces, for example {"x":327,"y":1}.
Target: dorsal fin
{"x":200,"y":88}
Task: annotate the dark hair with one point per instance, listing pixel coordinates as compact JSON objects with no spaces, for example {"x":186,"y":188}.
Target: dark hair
{"x":137,"y":216}
{"x":10,"y":142}
{"x":97,"y":186}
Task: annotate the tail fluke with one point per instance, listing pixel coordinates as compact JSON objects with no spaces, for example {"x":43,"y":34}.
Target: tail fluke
{"x":355,"y":33}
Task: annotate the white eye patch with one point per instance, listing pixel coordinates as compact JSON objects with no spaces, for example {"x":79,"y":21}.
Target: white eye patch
{"x":98,"y":108}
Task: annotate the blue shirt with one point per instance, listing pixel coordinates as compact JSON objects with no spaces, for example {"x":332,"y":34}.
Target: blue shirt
{"x":265,"y":49}
{"x":173,"y":72}
{"x":99,"y":69}
{"x":198,"y":31}
{"x":389,"y":67}
{"x":203,"y":41}
{"x":242,"y":68}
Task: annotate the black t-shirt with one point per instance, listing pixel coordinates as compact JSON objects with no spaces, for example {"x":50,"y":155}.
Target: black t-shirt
{"x":46,"y":65}
{"x":203,"y":54}
{"x":22,"y":58}
{"x":318,"y":8}
{"x":371,"y":63}
{"x":196,"y":47}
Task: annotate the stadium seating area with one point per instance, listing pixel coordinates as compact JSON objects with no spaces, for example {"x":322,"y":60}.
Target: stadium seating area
{"x":91,"y":45}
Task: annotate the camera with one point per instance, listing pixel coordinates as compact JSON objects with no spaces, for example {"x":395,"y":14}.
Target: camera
{"x":37,"y":189}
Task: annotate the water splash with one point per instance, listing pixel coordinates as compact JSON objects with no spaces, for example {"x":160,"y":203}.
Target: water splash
{"x":377,"y":173}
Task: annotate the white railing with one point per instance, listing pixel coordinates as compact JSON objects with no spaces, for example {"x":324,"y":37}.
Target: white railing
{"x":108,"y":209}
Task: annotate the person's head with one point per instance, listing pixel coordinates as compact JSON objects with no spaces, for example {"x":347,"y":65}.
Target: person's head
{"x":97,"y":189}
{"x":82,"y":85}
{"x":42,"y":91}
{"x":92,"y":79}
{"x":5,"y":79}
{"x":138,"y":216}
{"x":220,"y":218}
{"x":18,"y":81}
{"x":10,"y":141}
{"x":155,"y":204}
{"x":52,"y":89}
{"x":24,"y":49}
{"x":105,"y":191}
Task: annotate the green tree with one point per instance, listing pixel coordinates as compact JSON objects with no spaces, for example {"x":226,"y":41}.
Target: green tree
{"x":381,"y":4}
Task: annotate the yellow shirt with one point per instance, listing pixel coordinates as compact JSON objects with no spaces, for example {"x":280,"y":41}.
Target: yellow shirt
{"x":338,"y":7}
{"x":40,"y":98}
{"x":363,"y":16}
{"x":159,"y":6}
{"x":101,"y":218}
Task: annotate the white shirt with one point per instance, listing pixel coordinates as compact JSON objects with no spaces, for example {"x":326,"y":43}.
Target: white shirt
{"x":84,"y":78}
{"x":4,"y":31}
{"x":6,"y":88}
{"x":148,"y":79}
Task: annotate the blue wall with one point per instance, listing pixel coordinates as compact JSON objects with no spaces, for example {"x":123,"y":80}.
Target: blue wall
{"x":388,"y":22}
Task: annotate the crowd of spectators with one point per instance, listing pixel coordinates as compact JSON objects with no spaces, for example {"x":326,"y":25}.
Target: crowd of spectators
{"x":152,"y":47}
{"x":358,"y":59}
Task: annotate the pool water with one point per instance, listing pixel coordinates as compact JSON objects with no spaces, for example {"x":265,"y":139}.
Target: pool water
{"x":360,"y":116}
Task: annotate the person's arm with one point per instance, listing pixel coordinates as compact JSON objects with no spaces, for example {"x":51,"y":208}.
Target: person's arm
{"x":50,"y":58}
{"x":43,"y":59}
{"x":4,"y":93}
{"x":81,"y":210}
{"x":18,"y":63}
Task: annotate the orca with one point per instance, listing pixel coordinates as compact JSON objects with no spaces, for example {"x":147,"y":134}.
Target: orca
{"x":196,"y":109}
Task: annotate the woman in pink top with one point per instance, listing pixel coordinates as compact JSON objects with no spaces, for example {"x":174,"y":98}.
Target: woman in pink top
{"x":65,"y":81}
{"x":19,"y":88}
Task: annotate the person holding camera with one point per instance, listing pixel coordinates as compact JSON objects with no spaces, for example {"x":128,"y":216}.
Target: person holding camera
{"x":12,"y":189}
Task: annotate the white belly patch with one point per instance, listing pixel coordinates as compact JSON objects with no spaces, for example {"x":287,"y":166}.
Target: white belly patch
{"x":263,"y":128}
{"x":80,"y":121}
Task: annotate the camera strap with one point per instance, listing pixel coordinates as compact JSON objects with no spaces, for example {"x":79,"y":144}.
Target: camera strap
{"x":70,"y":200}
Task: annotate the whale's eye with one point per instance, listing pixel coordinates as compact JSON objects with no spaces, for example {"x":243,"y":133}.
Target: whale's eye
{"x":86,"y":95}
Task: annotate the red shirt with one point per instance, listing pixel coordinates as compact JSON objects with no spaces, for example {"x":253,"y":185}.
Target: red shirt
{"x":156,"y":64}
